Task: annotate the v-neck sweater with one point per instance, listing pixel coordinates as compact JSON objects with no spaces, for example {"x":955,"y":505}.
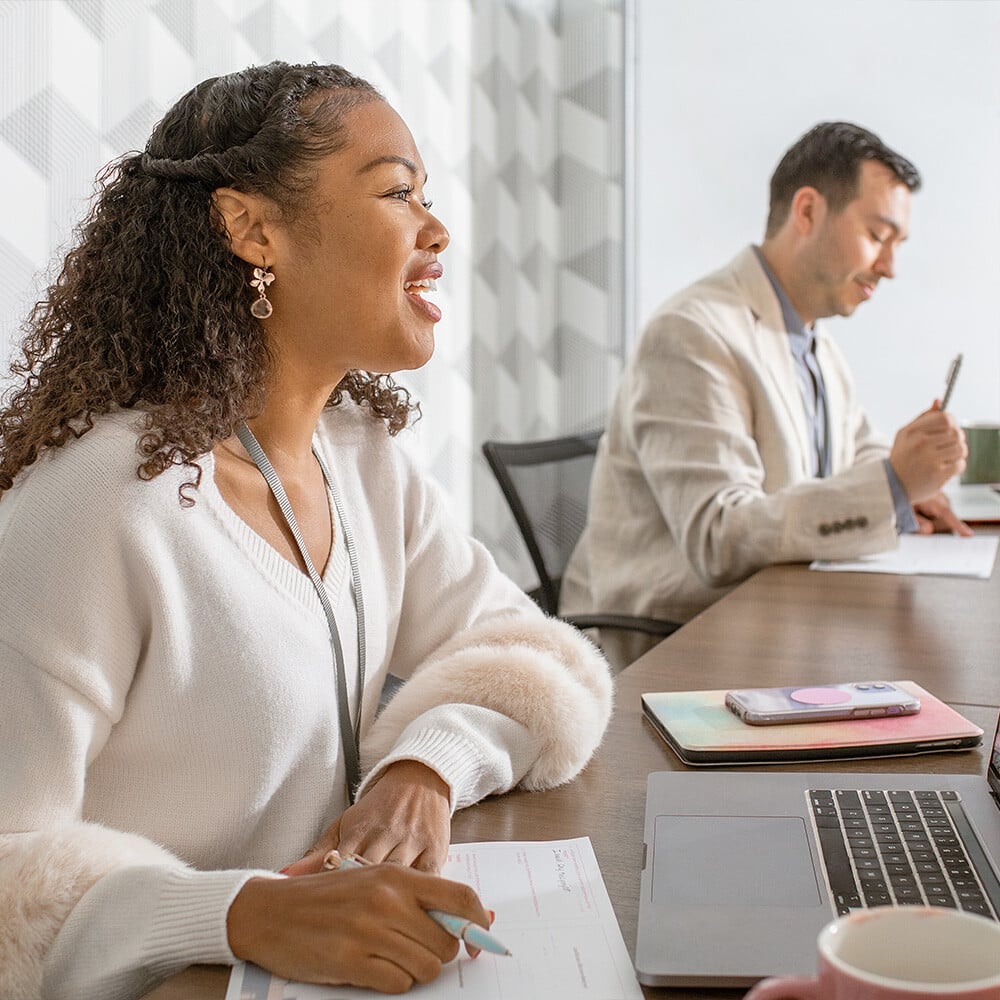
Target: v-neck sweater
{"x":169,"y":687}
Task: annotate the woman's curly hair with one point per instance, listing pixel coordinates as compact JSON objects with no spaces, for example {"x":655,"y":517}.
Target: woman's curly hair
{"x":151,"y":309}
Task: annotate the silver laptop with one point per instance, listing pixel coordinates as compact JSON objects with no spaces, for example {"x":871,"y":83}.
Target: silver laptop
{"x":975,"y":502}
{"x":742,"y":869}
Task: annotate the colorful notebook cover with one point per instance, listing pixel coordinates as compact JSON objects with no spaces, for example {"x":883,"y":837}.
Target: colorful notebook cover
{"x":702,"y":731}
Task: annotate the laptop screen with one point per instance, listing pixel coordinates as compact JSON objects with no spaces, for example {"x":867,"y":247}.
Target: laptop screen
{"x":993,"y":775}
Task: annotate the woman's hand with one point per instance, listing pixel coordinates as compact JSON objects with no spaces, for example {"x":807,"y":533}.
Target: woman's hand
{"x":404,"y":817}
{"x":363,"y":926}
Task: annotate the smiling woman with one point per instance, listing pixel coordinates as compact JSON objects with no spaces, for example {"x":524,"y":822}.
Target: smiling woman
{"x":197,"y":470}
{"x":345,"y":293}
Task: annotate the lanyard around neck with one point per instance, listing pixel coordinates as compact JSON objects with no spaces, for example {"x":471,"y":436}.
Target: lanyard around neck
{"x":350,"y":735}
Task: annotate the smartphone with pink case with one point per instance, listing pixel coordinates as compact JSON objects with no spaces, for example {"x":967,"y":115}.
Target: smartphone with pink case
{"x":821,"y":703}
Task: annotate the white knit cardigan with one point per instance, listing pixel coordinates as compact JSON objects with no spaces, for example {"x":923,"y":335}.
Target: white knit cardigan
{"x":168,"y":722}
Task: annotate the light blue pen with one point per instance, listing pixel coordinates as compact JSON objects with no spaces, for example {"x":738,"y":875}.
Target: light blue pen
{"x":459,"y":927}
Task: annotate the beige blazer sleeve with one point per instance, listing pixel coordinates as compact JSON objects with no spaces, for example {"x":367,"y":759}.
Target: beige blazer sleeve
{"x":725,"y":455}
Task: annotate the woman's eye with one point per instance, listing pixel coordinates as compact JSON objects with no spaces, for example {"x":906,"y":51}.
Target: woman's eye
{"x":404,"y":194}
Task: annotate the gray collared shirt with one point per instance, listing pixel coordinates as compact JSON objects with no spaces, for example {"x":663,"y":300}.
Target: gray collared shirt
{"x":802,"y":342}
{"x":811,"y":386}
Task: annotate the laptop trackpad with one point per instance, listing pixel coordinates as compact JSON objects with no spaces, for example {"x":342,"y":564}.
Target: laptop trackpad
{"x":733,"y":861}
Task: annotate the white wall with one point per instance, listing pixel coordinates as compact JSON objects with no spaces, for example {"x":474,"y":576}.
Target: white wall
{"x":723,"y":87}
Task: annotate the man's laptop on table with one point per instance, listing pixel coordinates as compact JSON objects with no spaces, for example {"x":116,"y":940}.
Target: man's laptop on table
{"x":975,"y":503}
{"x":742,"y":869}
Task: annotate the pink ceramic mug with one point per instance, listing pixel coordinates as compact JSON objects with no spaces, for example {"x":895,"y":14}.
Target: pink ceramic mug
{"x":899,"y":953}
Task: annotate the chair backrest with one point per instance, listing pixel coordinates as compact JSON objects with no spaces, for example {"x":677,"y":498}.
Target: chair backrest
{"x":546,"y":485}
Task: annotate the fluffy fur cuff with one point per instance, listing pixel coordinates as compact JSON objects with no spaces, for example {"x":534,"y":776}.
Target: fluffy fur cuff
{"x":540,"y":672}
{"x":42,"y":877}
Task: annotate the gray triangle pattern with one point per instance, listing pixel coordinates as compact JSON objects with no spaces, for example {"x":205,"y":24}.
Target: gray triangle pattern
{"x":597,"y":263}
{"x":498,"y":269}
{"x":18,"y":290}
{"x":28,"y":130}
{"x":488,"y":79}
{"x":72,"y":142}
{"x":178,"y":16}
{"x":132,"y":131}
{"x":536,"y":192}
{"x":551,"y":181}
{"x":91,"y":14}
{"x":531,"y":88}
{"x":510,"y":358}
{"x":442,"y":69}
{"x":256,"y":27}
{"x":330,"y":38}
{"x":116,"y":16}
{"x":564,"y":190}
{"x":533,"y":263}
{"x":512,"y":175}
{"x":390,"y":59}
{"x":597,"y":92}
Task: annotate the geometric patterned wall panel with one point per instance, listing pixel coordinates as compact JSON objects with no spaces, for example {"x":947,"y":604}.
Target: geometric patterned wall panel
{"x":516,"y":106}
{"x":547,"y":184}
{"x":84,"y":81}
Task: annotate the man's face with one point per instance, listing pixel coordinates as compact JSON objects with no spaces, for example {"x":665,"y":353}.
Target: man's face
{"x":851,"y":251}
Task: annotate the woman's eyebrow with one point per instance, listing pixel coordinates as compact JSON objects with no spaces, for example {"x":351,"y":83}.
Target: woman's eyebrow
{"x":379,"y":160}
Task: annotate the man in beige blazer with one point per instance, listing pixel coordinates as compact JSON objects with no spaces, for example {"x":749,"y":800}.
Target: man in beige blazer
{"x":735,"y":439}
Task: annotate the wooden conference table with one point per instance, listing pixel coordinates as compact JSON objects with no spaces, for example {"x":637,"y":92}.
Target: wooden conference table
{"x":781,"y":626}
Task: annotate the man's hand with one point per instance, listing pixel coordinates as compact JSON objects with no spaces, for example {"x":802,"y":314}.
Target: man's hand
{"x":936,"y":516}
{"x":927,"y":452}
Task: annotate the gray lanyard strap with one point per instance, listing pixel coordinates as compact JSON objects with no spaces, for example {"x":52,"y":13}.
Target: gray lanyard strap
{"x":350,"y":736}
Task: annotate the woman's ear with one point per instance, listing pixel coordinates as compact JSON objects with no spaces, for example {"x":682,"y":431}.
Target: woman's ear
{"x":246,"y":223}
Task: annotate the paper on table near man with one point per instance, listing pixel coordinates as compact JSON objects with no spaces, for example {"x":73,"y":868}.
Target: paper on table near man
{"x":931,"y":555}
{"x":553,"y":913}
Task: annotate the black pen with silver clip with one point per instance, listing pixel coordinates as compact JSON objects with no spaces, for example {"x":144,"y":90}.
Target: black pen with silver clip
{"x":949,"y":382}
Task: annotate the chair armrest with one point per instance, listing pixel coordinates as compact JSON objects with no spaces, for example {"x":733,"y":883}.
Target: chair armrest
{"x":651,"y":626}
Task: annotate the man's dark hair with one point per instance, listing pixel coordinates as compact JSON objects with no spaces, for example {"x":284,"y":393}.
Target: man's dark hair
{"x":828,"y":157}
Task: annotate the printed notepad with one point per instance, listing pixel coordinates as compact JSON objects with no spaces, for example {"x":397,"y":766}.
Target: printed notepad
{"x":702,"y":731}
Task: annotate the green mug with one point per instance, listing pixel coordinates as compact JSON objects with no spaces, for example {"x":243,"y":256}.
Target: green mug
{"x":983,"y":463}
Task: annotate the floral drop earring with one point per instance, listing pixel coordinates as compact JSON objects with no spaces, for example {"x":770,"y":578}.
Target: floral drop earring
{"x":262,"y":277}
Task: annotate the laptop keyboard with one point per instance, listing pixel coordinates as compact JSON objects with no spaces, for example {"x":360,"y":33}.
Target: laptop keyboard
{"x":895,"y":848}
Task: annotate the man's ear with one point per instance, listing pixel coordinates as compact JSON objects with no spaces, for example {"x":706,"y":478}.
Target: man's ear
{"x":808,"y":209}
{"x":245,"y":219}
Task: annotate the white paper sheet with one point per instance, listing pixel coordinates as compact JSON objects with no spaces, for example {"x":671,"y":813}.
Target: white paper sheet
{"x":552,"y":912}
{"x":933,"y":555}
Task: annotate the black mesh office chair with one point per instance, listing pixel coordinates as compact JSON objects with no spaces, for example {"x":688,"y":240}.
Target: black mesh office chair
{"x":546,"y":485}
